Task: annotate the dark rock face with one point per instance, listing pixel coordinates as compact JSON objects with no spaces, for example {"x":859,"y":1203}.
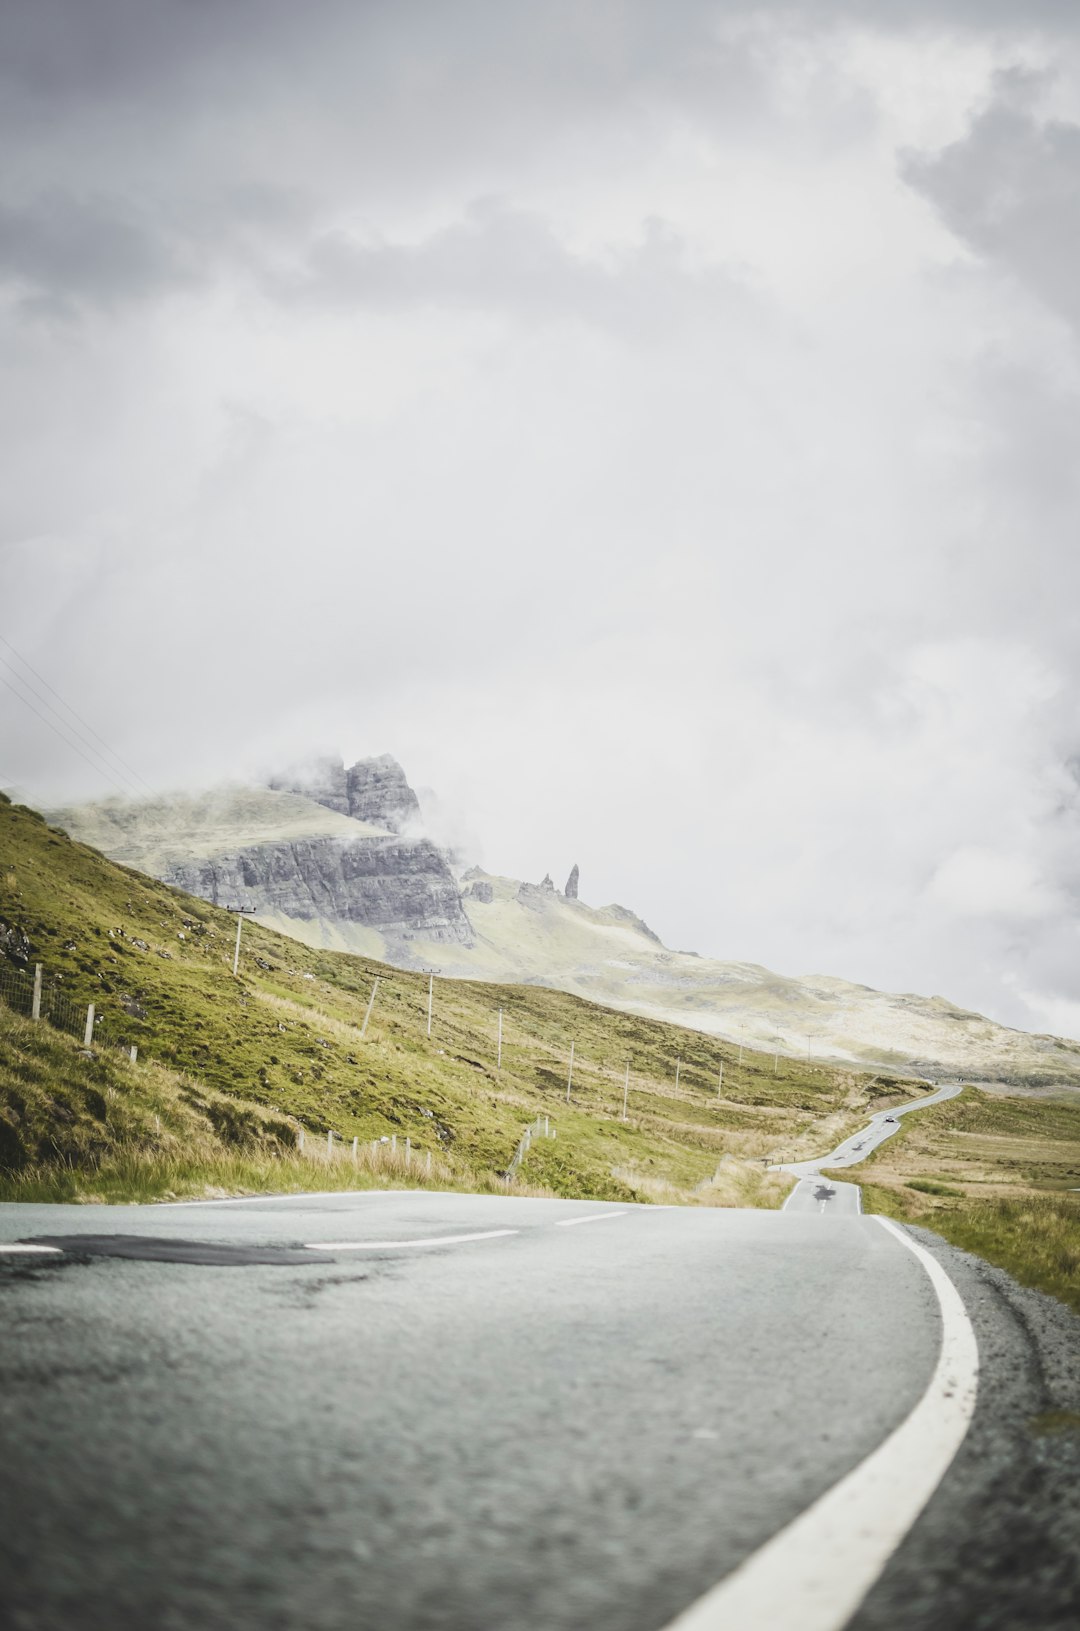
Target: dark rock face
{"x":395,"y":885}
{"x":572,"y":883}
{"x":372,"y":790}
{"x":546,"y":883}
{"x":378,"y":792}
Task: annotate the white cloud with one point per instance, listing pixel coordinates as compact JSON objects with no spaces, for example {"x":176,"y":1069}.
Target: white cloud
{"x":733,"y":558}
{"x":984,"y":883}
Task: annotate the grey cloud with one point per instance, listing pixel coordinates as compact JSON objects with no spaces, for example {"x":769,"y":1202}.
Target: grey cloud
{"x":804,"y":572}
{"x":62,"y":253}
{"x":498,"y":258}
{"x":59,"y":252}
{"x":1010,"y":189}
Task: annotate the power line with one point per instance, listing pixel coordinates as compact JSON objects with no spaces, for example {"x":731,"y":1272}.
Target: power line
{"x":100,"y":768}
{"x":103,"y":762}
{"x":111,"y":751}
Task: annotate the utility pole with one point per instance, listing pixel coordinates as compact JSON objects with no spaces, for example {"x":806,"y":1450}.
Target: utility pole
{"x":775,"y":1061}
{"x":626,"y":1090}
{"x":570,"y":1077}
{"x":239,"y":910}
{"x":370,"y":1006}
{"x":720,"y":1083}
{"x":498,"y":1062}
{"x":430,"y":996}
{"x":678,"y":1065}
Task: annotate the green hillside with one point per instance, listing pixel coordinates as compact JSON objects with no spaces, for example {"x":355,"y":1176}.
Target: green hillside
{"x":285,"y":1037}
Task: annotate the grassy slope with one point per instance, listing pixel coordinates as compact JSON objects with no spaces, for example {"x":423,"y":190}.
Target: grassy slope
{"x":996,"y":1176}
{"x":78,"y":1125}
{"x":285,"y":1036}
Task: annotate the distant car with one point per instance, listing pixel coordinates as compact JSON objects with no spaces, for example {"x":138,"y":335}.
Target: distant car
{"x":890,"y":1118}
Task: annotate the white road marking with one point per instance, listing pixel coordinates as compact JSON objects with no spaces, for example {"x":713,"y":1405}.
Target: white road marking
{"x":592,"y":1217}
{"x":397,"y":1245}
{"x":7,"y":1247}
{"x":293,"y":1195}
{"x":817,"y":1571}
{"x":791,"y":1197}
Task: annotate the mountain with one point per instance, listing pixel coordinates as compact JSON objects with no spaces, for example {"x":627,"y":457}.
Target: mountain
{"x":339,"y":855}
{"x":337,"y":858}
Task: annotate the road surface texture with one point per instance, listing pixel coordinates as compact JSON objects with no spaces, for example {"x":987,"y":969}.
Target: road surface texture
{"x":403,"y":1411}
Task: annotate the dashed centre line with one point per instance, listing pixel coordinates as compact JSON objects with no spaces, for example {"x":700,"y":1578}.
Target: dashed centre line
{"x":401,"y":1245}
{"x":591,"y":1217}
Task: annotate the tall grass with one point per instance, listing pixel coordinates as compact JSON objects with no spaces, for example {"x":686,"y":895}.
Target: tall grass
{"x":132,"y":1173}
{"x":1035,"y":1238}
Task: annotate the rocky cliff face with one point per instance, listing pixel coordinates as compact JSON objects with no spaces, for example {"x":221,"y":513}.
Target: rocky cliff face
{"x":372,"y":790}
{"x":399,"y":886}
{"x":335,"y":858}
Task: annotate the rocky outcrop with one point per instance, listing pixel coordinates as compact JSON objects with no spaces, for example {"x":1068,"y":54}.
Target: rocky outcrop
{"x":572,"y":883}
{"x":378,"y":792}
{"x":372,"y":790}
{"x":480,"y":890}
{"x":14,"y":944}
{"x":401,"y":886}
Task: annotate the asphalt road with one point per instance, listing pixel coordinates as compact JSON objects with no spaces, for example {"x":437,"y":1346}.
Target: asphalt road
{"x":410,"y":1411}
{"x":814,"y":1194}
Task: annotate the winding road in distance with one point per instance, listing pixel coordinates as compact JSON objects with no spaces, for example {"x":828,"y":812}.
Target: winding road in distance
{"x":815,"y":1194}
{"x":424,"y":1412}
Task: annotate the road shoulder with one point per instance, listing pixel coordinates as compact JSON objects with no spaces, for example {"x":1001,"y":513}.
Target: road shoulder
{"x":995,"y":1548}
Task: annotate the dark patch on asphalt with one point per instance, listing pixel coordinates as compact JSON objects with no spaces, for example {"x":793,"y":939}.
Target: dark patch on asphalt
{"x":824,"y":1193}
{"x":151,"y":1249}
{"x":304,"y":1293}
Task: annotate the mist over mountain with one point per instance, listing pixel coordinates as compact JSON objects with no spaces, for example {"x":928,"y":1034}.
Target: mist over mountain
{"x":338,"y":857}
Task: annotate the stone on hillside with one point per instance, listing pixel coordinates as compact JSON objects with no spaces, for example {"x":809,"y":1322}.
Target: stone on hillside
{"x":15,"y":944}
{"x":481,"y":890}
{"x":546,"y":882}
{"x":572,"y":883}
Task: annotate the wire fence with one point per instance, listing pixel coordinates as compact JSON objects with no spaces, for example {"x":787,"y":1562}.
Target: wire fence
{"x":542,"y":1127}
{"x":27,"y":992}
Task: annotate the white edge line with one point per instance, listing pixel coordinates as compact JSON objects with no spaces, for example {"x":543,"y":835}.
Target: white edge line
{"x":398,"y":1245}
{"x":816,"y":1571}
{"x":591,"y":1217}
{"x":9,"y":1247}
{"x":791,"y":1197}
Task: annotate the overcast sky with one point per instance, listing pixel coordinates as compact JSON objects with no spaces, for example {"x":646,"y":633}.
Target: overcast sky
{"x":656,"y":425}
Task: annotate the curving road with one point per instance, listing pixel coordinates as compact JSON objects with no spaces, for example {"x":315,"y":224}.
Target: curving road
{"x":422,"y":1412}
{"x":815,"y":1194}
